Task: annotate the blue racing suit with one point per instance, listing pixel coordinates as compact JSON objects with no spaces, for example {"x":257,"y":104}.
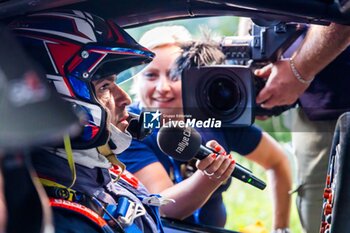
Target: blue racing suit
{"x":95,"y":203}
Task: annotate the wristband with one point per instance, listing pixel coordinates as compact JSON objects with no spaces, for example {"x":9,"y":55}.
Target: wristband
{"x":297,"y":74}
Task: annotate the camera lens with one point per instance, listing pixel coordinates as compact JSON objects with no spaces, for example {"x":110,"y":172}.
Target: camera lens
{"x":218,"y":92}
{"x":223,"y":95}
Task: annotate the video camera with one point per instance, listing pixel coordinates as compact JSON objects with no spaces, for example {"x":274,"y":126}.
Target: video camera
{"x":227,"y":92}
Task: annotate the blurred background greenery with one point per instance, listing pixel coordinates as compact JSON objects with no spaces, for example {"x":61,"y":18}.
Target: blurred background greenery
{"x":245,"y":204}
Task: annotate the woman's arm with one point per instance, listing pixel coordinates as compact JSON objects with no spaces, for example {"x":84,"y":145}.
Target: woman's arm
{"x":191,"y":193}
{"x":271,"y":156}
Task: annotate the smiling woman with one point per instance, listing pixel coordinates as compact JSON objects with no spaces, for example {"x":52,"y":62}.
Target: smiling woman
{"x":159,"y":89}
{"x":163,"y":91}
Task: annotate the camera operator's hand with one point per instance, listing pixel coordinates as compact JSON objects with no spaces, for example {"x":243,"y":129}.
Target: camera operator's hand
{"x":288,"y":79}
{"x":217,"y":167}
{"x":282,"y":87}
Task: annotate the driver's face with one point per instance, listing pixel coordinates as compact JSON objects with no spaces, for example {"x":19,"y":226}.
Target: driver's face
{"x":114,"y":99}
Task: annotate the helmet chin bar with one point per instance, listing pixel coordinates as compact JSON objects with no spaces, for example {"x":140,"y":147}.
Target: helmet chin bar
{"x":97,"y":138}
{"x":95,"y":131}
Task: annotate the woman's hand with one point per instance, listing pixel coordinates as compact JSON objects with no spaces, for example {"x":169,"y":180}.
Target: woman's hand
{"x":217,"y":166}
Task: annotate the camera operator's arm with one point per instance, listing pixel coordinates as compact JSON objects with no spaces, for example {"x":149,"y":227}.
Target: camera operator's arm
{"x":288,"y":79}
{"x":269,"y":155}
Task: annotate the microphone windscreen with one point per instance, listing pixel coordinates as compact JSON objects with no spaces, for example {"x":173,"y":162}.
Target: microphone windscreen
{"x":181,"y":143}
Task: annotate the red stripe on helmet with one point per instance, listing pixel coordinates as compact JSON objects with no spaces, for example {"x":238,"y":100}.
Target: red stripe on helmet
{"x":60,"y":53}
{"x":74,"y":63}
{"x":94,"y":130}
{"x":97,"y":62}
{"x":116,"y":30}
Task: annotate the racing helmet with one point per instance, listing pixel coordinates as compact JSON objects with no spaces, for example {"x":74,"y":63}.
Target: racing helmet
{"x":75,"y":48}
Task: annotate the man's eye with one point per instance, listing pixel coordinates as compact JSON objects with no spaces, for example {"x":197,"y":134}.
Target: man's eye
{"x":104,"y":87}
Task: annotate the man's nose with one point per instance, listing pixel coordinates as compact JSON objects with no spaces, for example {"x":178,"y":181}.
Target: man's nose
{"x":121,"y":97}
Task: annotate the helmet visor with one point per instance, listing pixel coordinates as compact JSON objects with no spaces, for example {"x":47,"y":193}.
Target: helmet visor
{"x":95,"y":61}
{"x":130,"y":73}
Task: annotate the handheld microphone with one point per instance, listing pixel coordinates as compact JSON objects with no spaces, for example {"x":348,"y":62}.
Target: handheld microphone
{"x":185,"y":143}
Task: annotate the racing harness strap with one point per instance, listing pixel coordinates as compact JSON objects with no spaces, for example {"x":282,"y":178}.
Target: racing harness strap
{"x":117,"y":217}
{"x":69,"y":152}
{"x":106,"y":151}
{"x":67,"y":198}
{"x":64,"y":192}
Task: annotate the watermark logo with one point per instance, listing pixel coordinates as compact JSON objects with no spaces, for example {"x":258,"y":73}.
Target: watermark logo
{"x":151,"y":120}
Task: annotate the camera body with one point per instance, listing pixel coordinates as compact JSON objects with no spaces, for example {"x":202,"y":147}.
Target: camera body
{"x":227,"y":92}
{"x":220,"y":92}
